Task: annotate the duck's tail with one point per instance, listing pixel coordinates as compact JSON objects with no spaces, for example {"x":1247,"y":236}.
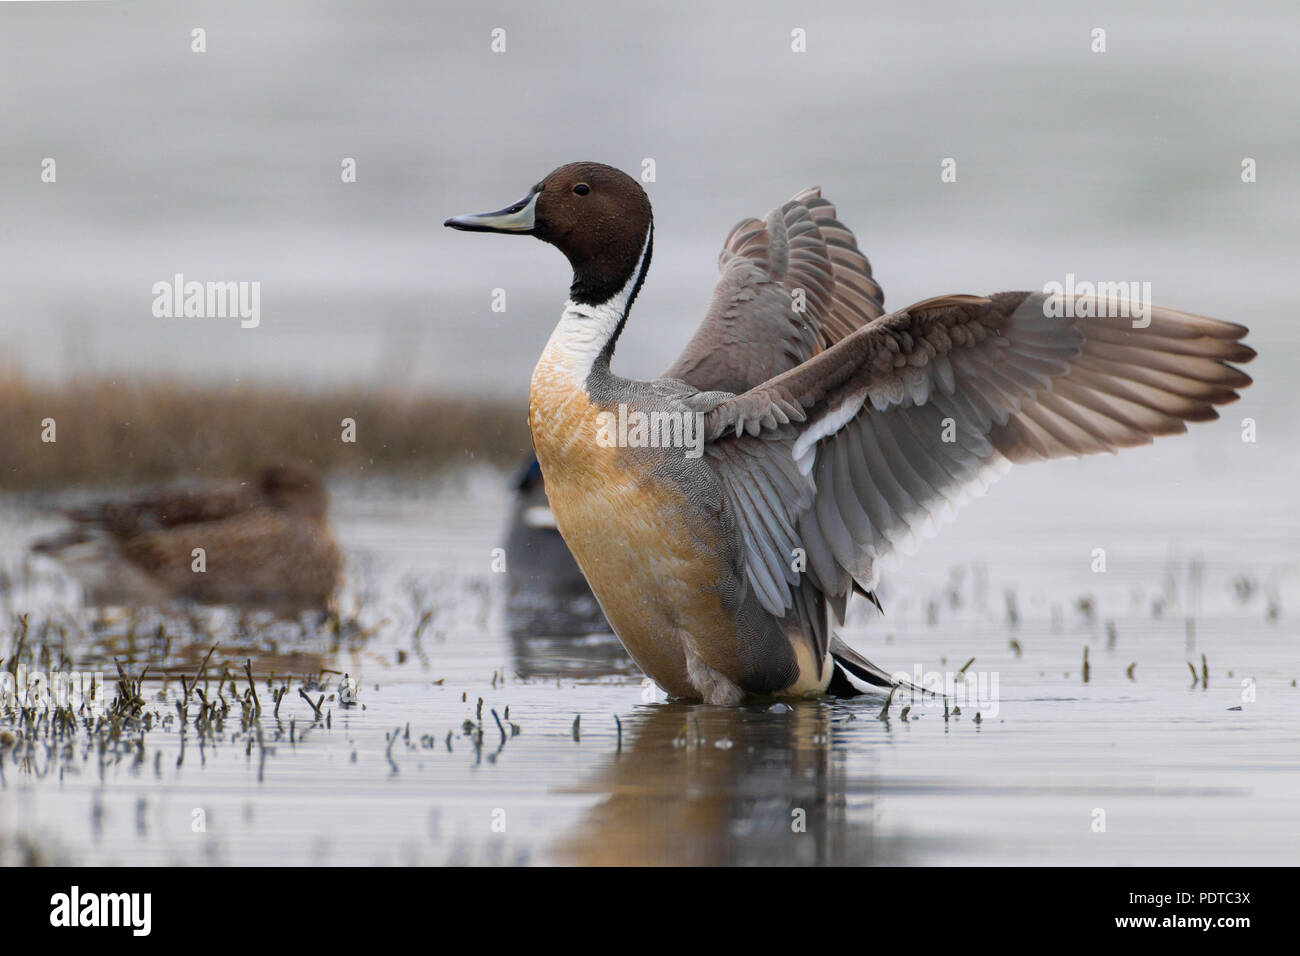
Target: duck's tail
{"x":852,"y":675}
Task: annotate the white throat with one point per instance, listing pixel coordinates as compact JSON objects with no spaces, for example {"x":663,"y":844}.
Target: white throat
{"x":584,"y":330}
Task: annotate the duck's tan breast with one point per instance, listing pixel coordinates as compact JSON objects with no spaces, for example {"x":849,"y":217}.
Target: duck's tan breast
{"x":654,"y":574}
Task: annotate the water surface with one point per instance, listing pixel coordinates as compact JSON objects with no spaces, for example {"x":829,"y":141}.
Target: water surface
{"x":423,"y":773}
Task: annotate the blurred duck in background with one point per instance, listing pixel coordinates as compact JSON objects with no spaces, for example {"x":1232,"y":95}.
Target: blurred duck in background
{"x":546,"y":592}
{"x":265,"y":544}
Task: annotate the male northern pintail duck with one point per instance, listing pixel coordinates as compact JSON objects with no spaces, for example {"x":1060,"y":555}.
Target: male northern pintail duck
{"x":830,"y":432}
{"x":266,"y":543}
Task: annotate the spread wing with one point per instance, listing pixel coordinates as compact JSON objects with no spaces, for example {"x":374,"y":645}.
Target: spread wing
{"x":874,"y":441}
{"x":790,"y":286}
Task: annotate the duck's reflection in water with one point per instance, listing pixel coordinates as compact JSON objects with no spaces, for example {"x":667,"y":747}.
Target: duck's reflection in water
{"x":700,"y":785}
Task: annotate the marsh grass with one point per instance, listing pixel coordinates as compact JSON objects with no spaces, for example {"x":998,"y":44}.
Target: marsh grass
{"x":111,"y":431}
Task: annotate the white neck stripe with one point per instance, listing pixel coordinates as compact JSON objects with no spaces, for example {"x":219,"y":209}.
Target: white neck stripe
{"x":584,"y":331}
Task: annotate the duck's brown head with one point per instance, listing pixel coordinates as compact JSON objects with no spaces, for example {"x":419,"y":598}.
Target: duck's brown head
{"x":598,"y":216}
{"x":293,"y":486}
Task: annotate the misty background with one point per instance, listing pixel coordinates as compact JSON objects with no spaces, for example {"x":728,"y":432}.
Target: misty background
{"x":225,"y":166}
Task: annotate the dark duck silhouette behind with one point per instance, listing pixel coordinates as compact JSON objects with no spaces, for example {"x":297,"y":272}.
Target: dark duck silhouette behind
{"x":546,"y":588}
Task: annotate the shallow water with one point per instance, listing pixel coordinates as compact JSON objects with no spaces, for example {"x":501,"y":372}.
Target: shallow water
{"x":1181,"y":776}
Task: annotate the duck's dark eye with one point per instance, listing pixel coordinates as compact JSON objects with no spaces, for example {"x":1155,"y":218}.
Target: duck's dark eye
{"x":582,"y":189}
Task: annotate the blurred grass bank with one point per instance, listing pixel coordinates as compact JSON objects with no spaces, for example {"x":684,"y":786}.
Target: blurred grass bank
{"x":111,"y":431}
